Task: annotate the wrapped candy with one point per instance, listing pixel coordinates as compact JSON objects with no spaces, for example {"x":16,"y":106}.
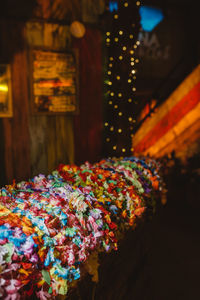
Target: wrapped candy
{"x":50,"y":225}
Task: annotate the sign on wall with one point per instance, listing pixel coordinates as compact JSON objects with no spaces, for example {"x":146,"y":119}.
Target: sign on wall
{"x":5,"y":91}
{"x":54,"y":82}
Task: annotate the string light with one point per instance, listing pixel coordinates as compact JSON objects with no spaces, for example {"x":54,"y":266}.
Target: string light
{"x":138,"y":3}
{"x":122,"y":42}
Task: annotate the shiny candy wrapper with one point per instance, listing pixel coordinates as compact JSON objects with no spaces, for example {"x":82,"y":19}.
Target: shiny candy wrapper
{"x":50,"y":225}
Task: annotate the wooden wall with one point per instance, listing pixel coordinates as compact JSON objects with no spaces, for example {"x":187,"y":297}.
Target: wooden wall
{"x":33,"y":144}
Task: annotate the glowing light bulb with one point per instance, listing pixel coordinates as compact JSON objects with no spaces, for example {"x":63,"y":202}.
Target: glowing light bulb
{"x":111,"y":128}
{"x":131,"y":52}
{"x":138,"y":3}
{"x":120,"y":113}
{"x":130,"y":100}
{"x":108,"y":140}
{"x":120,"y":32}
{"x":130,"y":119}
{"x":109,"y":82}
{"x":116,"y":39}
{"x":124,"y":48}
{"x":111,"y":58}
{"x":133,"y":71}
{"x":111,"y":94}
{"x":132,"y":59}
{"x":110,"y":102}
{"x":132,"y":135}
{"x":106,"y":124}
{"x":116,"y":16}
{"x":131,"y":149}
{"x":131,"y":36}
{"x":120,"y":57}
{"x":123,"y":150}
{"x":118,"y":77}
{"x":126,"y":4}
{"x":109,"y":72}
{"x":132,"y":63}
{"x":115,"y":106}
{"x":119,"y":130}
{"x":114,"y":147}
{"x":107,"y":33}
{"x":107,"y":40}
{"x":134,"y":89}
{"x":129,"y":80}
{"x":137,"y":60}
{"x":138,"y":43}
{"x":120,"y":95}
{"x":135,"y":46}
{"x":110,"y":65}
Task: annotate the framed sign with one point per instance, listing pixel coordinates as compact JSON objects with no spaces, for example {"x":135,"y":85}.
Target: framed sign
{"x":5,"y":92}
{"x":54,"y":81}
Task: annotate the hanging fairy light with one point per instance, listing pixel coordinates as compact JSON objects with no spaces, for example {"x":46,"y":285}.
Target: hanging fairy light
{"x":121,"y":72}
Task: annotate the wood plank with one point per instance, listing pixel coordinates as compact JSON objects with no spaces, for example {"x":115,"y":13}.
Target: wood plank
{"x":38,"y":144}
{"x":2,"y":153}
{"x":20,"y":128}
{"x":51,"y":143}
{"x":8,"y":150}
{"x":65,"y":140}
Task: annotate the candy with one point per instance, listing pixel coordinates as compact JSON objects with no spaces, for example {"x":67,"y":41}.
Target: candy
{"x":50,"y":225}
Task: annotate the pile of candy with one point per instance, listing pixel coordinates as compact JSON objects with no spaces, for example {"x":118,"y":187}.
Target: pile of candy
{"x":51,"y":224}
